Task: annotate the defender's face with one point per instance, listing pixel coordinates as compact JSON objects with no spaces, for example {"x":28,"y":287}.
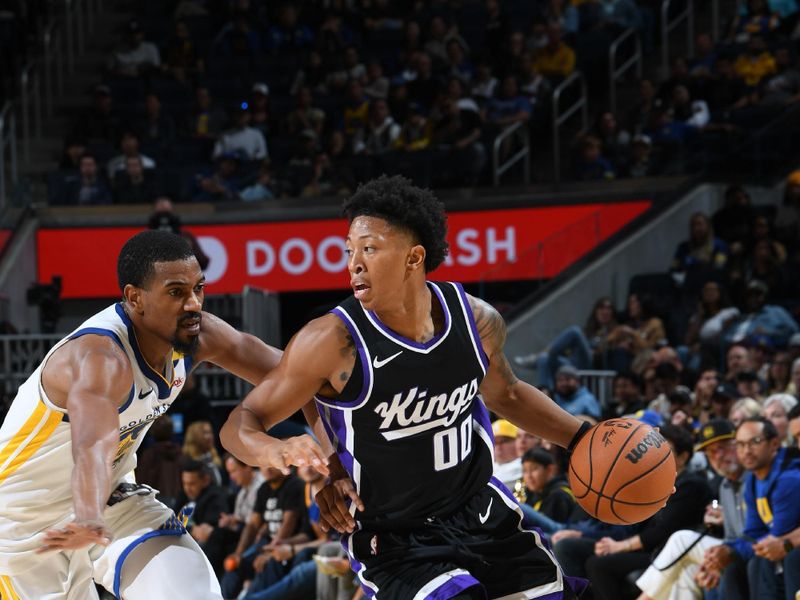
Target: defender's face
{"x":172,"y":302}
{"x":379,"y":256}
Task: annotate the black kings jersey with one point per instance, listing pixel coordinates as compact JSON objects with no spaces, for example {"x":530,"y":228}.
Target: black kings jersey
{"x":410,"y":426}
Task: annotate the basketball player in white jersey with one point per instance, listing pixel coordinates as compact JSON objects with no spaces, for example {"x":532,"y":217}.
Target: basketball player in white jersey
{"x":71,"y":513}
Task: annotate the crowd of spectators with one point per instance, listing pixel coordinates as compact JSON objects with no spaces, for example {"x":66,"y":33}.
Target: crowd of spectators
{"x":252,"y":100}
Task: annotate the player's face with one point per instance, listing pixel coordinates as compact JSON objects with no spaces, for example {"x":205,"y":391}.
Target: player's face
{"x":172,"y":303}
{"x":381,"y":261}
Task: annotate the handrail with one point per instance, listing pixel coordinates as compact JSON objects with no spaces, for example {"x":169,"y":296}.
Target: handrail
{"x":8,"y":137}
{"x":559,"y":119}
{"x":667,"y":26}
{"x":30,"y":98}
{"x":615,"y":72}
{"x":522,"y":154}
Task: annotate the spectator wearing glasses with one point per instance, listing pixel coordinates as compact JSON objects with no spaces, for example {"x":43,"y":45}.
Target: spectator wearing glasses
{"x":770,"y":492}
{"x":686,"y":549}
{"x":794,"y":424}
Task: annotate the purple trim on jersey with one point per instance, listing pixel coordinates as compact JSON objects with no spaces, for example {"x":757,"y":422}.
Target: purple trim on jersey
{"x":343,"y":316}
{"x":452,"y":586}
{"x":471,"y":320}
{"x":337,"y":429}
{"x":421,"y":346}
{"x":355,"y":565}
{"x":503,"y":489}
{"x":481,"y":415}
{"x":577,"y":585}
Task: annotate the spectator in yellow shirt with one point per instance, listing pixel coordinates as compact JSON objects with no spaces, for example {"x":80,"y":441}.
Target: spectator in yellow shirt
{"x":416,"y":131}
{"x":755,"y":64}
{"x":556,"y":60}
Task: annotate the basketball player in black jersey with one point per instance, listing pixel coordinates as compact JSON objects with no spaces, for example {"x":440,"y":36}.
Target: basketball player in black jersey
{"x":403,"y":372}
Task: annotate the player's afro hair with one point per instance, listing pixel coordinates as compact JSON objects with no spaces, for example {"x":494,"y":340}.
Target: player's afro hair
{"x":138,"y":256}
{"x":402,"y":204}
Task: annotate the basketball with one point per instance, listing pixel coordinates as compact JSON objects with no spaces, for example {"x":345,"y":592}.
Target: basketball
{"x":622,"y":471}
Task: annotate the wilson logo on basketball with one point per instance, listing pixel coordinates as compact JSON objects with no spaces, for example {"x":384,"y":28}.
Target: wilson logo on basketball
{"x":651,"y":440}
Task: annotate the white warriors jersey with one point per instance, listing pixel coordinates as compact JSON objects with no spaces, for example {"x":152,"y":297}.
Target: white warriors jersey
{"x":36,"y":447}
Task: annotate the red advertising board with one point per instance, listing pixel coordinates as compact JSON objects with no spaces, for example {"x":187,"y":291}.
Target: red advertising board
{"x":493,"y":245}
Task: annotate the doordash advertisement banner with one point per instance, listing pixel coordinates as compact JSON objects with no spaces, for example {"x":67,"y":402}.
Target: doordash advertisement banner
{"x":485,"y":245}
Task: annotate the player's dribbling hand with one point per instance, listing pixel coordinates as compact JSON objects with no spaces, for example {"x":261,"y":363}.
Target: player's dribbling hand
{"x":75,"y":535}
{"x":301,"y":451}
{"x":333,"y":506}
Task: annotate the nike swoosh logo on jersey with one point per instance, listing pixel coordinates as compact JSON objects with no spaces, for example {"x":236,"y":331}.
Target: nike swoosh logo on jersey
{"x":145,"y":394}
{"x":484,"y":517}
{"x":379,"y":363}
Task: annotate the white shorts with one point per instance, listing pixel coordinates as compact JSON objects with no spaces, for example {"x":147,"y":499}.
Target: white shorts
{"x":149,"y":550}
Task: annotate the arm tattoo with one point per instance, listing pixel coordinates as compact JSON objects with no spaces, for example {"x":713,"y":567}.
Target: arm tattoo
{"x":491,"y":326}
{"x":505,"y":370}
{"x":347,"y":349}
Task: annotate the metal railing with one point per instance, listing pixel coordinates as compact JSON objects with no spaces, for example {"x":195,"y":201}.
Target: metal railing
{"x":8,"y":152}
{"x":667,"y":26}
{"x":31,"y":107}
{"x":559,"y":118}
{"x":517,"y":131}
{"x":600,"y":383}
{"x":615,"y":72}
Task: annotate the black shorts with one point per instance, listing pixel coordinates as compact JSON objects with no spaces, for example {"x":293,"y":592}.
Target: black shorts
{"x":483,"y":548}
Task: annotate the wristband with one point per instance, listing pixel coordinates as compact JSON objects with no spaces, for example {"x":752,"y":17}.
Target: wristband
{"x":585,"y":426}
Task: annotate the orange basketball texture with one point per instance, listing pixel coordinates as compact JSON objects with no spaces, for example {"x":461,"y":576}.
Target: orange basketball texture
{"x":622,"y":471}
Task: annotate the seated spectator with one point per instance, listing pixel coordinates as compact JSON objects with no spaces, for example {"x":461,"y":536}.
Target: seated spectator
{"x":326,"y":179}
{"x":745,"y":408}
{"x":155,"y":126}
{"x":547,"y":490}
{"x":760,"y":318}
{"x":129,"y":146}
{"x":702,"y":251}
{"x":335,"y":35}
{"x":642,"y":330}
{"x":134,"y":185}
{"x":356,"y":108}
{"x":440,"y":35}
{"x":89,"y":188}
{"x":260,"y":112}
{"x":573,"y":397}
{"x":135,"y":56}
{"x":692,"y":111}
{"x":458,"y":134}
{"x":241,"y":138}
{"x":794,"y":386}
{"x":582,"y":349}
{"x":733,"y":222}
{"x":615,"y":141}
{"x":722,"y":400}
{"x":703,"y":390}
{"x":99,"y":122}
{"x":698,"y":349}
{"x":159,"y":465}
{"x":223,"y":539}
{"x":787,"y":221}
{"x":756,"y":63}
{"x":74,"y":149}
{"x":761,"y":263}
{"x":238,"y":39}
{"x":779,"y":373}
{"x":626,"y":396}
{"x":483,"y":84}
{"x":263,"y":187}
{"x":277,"y":518}
{"x":376,"y":84}
{"x":749,"y":385}
{"x":591,"y":165}
{"x":794,"y":424}
{"x":639,"y":162}
{"x":726,"y":91}
{"x":556,"y":61}
{"x":458,"y":63}
{"x":613,"y":560}
{"x":416,"y":132}
{"x":507,"y":463}
{"x":205,"y":120}
{"x":762,"y":230}
{"x":783,"y":88}
{"x":181,"y":59}
{"x":313,"y":74}
{"x":423,"y":85}
{"x":199,"y":445}
{"x":755,"y":20}
{"x":562,"y":12}
{"x":737,"y":360}
{"x":351,"y":69}
{"x":776,"y":410}
{"x":380,"y":133}
{"x":209,"y":499}
{"x":682,"y":562}
{"x":534,"y":86}
{"x":770,"y":492}
{"x":305,"y":115}
{"x":288,"y":34}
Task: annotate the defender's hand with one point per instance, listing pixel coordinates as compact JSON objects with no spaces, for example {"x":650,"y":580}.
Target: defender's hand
{"x":333,"y":505}
{"x":75,"y":535}
{"x":301,"y":451}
